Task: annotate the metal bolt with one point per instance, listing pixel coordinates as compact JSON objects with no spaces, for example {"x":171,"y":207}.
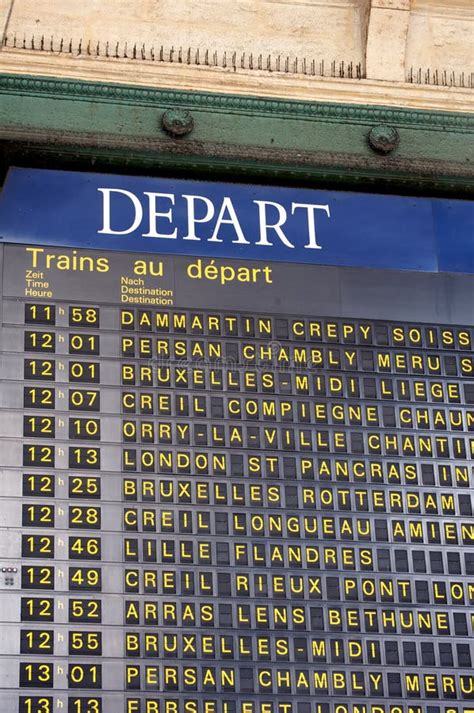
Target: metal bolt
{"x":383,"y":139}
{"x":177,"y":122}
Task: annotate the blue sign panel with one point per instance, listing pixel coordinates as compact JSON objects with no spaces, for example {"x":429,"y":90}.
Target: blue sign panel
{"x":230,"y":484}
{"x":169,"y":216}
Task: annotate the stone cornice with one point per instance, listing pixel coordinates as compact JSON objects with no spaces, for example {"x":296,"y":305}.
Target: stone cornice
{"x":249,"y":84}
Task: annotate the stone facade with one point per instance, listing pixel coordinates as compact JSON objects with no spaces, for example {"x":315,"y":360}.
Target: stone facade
{"x":413,"y":53}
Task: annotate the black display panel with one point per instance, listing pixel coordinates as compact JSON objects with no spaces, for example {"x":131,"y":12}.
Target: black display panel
{"x":241,"y":496}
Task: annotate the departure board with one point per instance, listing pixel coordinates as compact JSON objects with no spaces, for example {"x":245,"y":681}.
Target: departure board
{"x":229,"y":484}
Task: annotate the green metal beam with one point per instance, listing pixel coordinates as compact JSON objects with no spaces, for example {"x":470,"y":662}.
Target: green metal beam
{"x":46,"y":121}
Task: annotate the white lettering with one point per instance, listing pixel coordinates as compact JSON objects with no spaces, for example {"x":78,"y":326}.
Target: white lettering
{"x":265,"y":226}
{"x":154,"y":215}
{"x":310,"y":210}
{"x":191,"y":212}
{"x":106,"y":228}
{"x":201,"y":210}
{"x":228,"y":206}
